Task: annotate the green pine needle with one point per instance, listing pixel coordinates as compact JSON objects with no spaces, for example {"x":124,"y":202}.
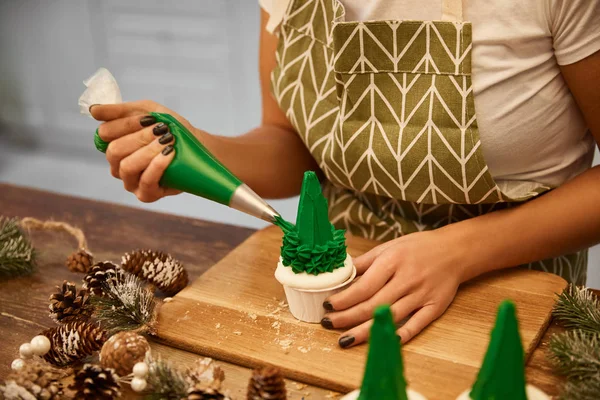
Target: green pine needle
{"x":127,"y":304}
{"x":578,"y":308}
{"x":17,"y":255}
{"x":576,"y":354}
{"x":165,"y":382}
{"x":587,"y":390}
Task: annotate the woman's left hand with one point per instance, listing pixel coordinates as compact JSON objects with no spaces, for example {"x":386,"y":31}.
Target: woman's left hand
{"x":417,"y":273}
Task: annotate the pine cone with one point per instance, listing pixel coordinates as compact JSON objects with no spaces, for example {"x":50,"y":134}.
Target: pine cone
{"x":122,"y":351}
{"x":266,"y":384}
{"x":93,"y":382}
{"x":203,"y":393}
{"x":158,"y":268}
{"x":73,"y":341}
{"x":40,"y":380}
{"x":68,"y":303}
{"x":80,"y":261}
{"x":98,"y":274}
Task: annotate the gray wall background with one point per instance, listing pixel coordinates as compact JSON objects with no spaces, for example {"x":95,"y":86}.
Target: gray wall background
{"x":198,"y":57}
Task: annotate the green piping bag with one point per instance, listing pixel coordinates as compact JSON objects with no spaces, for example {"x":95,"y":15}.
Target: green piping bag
{"x":195,"y":170}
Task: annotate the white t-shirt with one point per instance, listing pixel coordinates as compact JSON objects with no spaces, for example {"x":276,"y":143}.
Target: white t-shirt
{"x":530,"y":126}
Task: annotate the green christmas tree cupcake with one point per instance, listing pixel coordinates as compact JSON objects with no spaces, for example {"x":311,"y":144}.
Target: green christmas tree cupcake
{"x":314,"y":263}
{"x":384,"y":372}
{"x":502,"y":375}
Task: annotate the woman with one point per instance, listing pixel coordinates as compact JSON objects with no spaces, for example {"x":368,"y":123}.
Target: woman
{"x":385,"y":110}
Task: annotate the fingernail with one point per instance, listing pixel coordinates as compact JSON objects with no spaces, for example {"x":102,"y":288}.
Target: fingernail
{"x":167,"y":150}
{"x":399,"y":337}
{"x":147,"y":120}
{"x":166,"y":138}
{"x":90,"y":108}
{"x":160,"y":129}
{"x":328,"y":306}
{"x":326,"y":323}
{"x":346,"y":341}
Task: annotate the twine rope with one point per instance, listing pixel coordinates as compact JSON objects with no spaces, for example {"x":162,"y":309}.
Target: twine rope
{"x":30,"y":223}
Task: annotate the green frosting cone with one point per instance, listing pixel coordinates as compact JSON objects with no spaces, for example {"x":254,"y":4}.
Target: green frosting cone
{"x":313,"y":246}
{"x":384,"y":372}
{"x":313,"y":223}
{"x":502,"y":375}
{"x":193,"y":169}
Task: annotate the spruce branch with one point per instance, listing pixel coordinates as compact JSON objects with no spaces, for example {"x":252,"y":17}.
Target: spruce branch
{"x":17,"y":255}
{"x":126,"y":304}
{"x":585,"y":390}
{"x":165,"y":382}
{"x":576,"y":354}
{"x":578,"y":308}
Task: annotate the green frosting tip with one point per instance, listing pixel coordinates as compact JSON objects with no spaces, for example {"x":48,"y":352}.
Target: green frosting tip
{"x":502,"y":374}
{"x":384,"y":372}
{"x":313,"y":245}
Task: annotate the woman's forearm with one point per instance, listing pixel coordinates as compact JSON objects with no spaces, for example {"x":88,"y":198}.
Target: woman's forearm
{"x":560,"y":222}
{"x":269,"y":159}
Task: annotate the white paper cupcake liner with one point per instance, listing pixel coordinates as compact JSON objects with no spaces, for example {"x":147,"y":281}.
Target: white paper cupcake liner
{"x":307,"y":305}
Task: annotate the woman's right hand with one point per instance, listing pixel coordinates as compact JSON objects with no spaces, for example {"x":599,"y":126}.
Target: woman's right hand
{"x":139,"y":149}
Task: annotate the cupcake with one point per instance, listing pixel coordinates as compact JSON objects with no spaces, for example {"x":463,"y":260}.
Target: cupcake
{"x":314,"y":263}
{"x":502,"y":374}
{"x":384,"y":372}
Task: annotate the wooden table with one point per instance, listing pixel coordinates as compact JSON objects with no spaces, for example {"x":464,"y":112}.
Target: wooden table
{"x":112,"y":230}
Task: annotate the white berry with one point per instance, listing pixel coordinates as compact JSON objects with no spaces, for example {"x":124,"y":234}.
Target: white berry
{"x":26,"y":351}
{"x":140,"y":370}
{"x":138,"y":384}
{"x":17,"y":364}
{"x":40,"y":345}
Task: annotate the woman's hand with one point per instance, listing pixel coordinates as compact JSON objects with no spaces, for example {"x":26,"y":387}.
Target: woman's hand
{"x":417,"y":273}
{"x":139,"y":150}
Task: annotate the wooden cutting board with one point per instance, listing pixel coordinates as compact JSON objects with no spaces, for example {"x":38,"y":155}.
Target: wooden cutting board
{"x":236,"y":312}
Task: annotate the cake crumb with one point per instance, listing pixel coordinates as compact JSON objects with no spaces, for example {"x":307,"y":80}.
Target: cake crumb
{"x":326,"y":349}
{"x":303,"y":349}
{"x":331,"y":395}
{"x":276,"y":324}
{"x":168,"y":299}
{"x":286,"y":343}
{"x":218,"y":326}
{"x":300,"y":386}
{"x":237,"y":333}
{"x":252,"y":316}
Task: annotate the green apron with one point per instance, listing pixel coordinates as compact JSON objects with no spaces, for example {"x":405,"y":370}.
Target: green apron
{"x":386,"y":108}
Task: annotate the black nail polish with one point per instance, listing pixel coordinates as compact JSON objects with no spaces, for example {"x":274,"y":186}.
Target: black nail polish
{"x":327,"y":305}
{"x":167,"y":150}
{"x":160,"y":129}
{"x":346,"y":341}
{"x":326,"y":323}
{"x":166,"y":138}
{"x":147,"y":120}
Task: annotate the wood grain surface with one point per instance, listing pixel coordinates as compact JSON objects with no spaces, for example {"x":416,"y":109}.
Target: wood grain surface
{"x":236,"y":312}
{"x":112,"y":230}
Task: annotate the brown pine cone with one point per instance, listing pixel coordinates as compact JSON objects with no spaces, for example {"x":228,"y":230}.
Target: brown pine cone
{"x":40,"y":380}
{"x":266,"y":384}
{"x":68,"y":303}
{"x":203,"y":393}
{"x":157,"y":268}
{"x":73,"y":341}
{"x":93,"y":382}
{"x":122,"y":351}
{"x":99,"y":274}
{"x":80,"y":261}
